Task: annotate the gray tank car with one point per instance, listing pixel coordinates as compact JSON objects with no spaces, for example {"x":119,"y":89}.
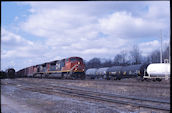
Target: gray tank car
{"x":118,"y":72}
{"x":101,"y":72}
{"x":131,"y":71}
{"x":91,"y":73}
{"x":114,"y":72}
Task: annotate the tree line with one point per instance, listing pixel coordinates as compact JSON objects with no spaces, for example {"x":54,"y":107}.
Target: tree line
{"x":128,"y":58}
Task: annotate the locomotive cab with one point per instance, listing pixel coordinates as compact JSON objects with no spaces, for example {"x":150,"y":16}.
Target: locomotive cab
{"x":74,"y":64}
{"x":74,"y":67}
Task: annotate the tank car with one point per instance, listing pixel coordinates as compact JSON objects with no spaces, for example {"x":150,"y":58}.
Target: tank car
{"x":101,"y":73}
{"x":118,"y":72}
{"x":158,"y":71}
{"x":114,"y":72}
{"x":134,"y":71}
{"x":10,"y":73}
{"x":3,"y":74}
{"x":91,"y":73}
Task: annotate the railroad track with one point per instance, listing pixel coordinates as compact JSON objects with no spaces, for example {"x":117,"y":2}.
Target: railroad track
{"x":105,"y":97}
{"x":118,"y":83}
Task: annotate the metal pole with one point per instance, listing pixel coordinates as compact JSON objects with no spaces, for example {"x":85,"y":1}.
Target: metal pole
{"x":169,"y":50}
{"x":170,"y":39}
{"x":161,"y":48}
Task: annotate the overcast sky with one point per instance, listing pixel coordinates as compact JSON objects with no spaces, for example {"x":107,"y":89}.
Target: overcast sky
{"x":37,"y":32}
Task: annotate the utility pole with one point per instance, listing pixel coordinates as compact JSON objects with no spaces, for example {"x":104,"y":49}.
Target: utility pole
{"x":161,"y":48}
{"x":169,"y":48}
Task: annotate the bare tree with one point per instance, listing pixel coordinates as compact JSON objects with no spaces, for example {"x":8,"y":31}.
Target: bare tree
{"x":121,"y":59}
{"x":146,"y":59}
{"x":166,"y":53}
{"x":124,"y":57}
{"x":118,"y":59}
{"x":93,"y":63}
{"x":155,"y":56}
{"x":135,"y":55}
{"x":107,"y":63}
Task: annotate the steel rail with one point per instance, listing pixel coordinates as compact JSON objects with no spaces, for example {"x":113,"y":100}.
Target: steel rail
{"x":107,"y":94}
{"x":89,"y":95}
{"x":131,"y":84}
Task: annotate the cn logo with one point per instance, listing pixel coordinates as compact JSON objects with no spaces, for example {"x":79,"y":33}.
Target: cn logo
{"x":57,"y":66}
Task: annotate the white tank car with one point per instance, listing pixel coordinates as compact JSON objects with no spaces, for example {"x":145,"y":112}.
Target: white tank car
{"x":159,"y":69}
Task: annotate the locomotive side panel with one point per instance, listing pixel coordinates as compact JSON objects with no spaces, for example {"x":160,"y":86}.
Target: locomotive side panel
{"x":30,"y":72}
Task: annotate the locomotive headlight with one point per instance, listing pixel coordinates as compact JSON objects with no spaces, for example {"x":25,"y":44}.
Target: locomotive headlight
{"x":78,"y":62}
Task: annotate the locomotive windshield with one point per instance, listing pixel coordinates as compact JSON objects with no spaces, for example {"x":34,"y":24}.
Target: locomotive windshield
{"x":75,"y":59}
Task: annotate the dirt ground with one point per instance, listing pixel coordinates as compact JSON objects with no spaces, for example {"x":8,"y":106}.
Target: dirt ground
{"x":16,"y":100}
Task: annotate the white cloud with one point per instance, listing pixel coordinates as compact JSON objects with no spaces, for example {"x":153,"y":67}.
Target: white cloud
{"x":17,"y":49}
{"x":158,"y":10}
{"x":148,"y":47}
{"x":60,"y":19}
{"x":76,"y":32}
{"x":124,"y":25}
{"x":10,"y":39}
{"x":76,"y":29}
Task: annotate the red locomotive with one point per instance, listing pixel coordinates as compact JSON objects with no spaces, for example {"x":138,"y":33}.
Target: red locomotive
{"x":72,"y":67}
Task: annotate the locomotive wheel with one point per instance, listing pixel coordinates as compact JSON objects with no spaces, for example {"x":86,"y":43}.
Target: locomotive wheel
{"x":65,"y":76}
{"x":104,"y":77}
{"x":46,"y":75}
{"x":62,"y":76}
{"x":74,"y":77}
{"x":34,"y":75}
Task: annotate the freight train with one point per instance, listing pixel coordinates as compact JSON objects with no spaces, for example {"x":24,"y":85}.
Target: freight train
{"x":70,"y":68}
{"x":74,"y":68}
{"x":142,"y":71}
